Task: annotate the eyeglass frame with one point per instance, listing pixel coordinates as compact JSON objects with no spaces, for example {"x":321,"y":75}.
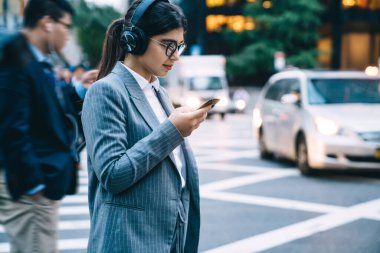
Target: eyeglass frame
{"x":178,"y":47}
{"x":68,"y":26}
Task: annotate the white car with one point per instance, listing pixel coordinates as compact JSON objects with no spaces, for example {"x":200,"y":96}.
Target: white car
{"x":320,"y":119}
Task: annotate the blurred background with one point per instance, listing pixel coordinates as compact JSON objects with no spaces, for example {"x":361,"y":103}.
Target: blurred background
{"x":252,"y":34}
{"x":253,"y":199}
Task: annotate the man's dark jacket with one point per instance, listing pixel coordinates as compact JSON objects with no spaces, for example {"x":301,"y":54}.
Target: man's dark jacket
{"x":36,"y":133}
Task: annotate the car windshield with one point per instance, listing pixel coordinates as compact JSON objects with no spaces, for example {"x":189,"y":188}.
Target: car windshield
{"x":342,"y":91}
{"x":205,"y":83}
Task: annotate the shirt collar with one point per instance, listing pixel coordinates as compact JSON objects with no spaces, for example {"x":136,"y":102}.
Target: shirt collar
{"x":38,"y":54}
{"x":143,"y":83}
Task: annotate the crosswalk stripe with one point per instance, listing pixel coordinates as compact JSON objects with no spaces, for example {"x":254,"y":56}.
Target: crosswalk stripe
{"x":64,"y":244}
{"x":67,"y":225}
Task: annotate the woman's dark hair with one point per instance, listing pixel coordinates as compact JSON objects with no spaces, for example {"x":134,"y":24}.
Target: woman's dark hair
{"x":37,"y":9}
{"x":160,"y":17}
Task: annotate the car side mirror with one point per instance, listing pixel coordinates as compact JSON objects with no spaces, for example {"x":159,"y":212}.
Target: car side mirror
{"x":291,"y":99}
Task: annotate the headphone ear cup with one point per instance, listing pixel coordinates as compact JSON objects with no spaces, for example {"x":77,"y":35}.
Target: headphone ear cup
{"x":134,"y":41}
{"x":129,"y":40}
{"x":142,"y":41}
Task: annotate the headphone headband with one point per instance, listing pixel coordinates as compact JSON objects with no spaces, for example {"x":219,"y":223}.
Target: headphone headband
{"x":140,"y":10}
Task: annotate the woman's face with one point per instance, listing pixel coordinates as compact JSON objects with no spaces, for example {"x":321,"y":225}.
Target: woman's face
{"x":155,"y":60}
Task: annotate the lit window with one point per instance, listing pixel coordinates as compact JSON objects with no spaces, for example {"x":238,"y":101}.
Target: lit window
{"x":215,"y":3}
{"x":249,"y":24}
{"x":236,"y":23}
{"x":363,"y":4}
{"x":267,"y":4}
{"x":348,"y":3}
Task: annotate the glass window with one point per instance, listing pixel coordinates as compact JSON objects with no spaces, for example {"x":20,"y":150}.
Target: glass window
{"x":282,"y":87}
{"x":339,"y":91}
{"x":273,"y":91}
{"x":205,"y":83}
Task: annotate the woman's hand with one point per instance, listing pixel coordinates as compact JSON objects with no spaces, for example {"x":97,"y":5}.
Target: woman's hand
{"x":186,"y":120}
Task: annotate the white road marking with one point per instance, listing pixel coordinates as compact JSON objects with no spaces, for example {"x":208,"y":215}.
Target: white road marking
{"x":74,"y":199}
{"x":229,"y":156}
{"x":67,"y":225}
{"x":272,"y":202}
{"x":64,"y":244}
{"x":240,"y":168}
{"x":299,"y":230}
{"x":245,"y":180}
{"x":73,"y":210}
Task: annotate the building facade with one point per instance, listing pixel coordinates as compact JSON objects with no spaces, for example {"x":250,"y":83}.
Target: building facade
{"x":349,"y":35}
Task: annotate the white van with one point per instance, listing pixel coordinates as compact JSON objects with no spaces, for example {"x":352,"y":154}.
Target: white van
{"x":195,"y":79}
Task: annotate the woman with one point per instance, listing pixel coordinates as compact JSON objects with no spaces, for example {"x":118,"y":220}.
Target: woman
{"x":143,"y":180}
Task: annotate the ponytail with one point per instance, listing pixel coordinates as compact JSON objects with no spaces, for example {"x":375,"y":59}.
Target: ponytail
{"x":112,"y":51}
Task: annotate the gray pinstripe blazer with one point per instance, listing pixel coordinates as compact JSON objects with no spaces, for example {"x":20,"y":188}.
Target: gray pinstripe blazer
{"x":134,"y":186}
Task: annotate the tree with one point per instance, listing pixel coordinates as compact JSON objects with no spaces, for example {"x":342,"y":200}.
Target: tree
{"x":92,"y":23}
{"x":287,"y":26}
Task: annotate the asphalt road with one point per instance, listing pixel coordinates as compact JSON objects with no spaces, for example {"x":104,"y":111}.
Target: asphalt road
{"x":250,"y":205}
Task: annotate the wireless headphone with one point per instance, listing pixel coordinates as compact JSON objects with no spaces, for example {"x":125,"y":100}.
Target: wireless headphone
{"x":133,"y":39}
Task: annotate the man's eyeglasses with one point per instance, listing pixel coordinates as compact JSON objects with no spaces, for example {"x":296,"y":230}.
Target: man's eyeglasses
{"x":171,"y":47}
{"x":68,"y":26}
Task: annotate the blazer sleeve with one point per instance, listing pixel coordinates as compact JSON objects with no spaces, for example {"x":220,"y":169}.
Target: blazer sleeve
{"x":118,"y":164}
{"x":20,"y":161}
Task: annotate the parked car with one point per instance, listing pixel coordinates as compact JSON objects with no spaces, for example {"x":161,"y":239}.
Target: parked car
{"x":320,"y":119}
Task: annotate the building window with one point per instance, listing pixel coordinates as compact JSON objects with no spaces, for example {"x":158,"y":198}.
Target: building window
{"x":221,"y":3}
{"x":362,"y":4}
{"x":236,"y":23}
{"x":324,"y":52}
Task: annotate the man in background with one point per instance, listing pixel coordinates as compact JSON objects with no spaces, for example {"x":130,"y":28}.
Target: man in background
{"x":39,"y":127}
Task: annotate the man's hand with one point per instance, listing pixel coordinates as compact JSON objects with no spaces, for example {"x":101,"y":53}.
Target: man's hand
{"x":37,"y":196}
{"x":89,"y":77}
{"x":65,"y":75}
{"x":187,"y":120}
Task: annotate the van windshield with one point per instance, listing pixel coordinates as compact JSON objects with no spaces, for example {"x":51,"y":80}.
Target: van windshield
{"x":205,"y":83}
{"x":340,"y":91}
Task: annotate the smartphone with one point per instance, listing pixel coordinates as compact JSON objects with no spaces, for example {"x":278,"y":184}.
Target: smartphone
{"x":211,"y":102}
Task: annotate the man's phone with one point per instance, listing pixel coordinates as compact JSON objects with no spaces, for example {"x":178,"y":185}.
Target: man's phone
{"x":211,"y":102}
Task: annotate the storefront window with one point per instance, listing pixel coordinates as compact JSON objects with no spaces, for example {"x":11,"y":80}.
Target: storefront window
{"x":362,"y":4}
{"x":237,"y":23}
{"x":221,"y":3}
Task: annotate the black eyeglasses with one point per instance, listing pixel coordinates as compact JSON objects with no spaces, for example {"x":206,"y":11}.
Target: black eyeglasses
{"x":171,"y":47}
{"x":68,"y":26}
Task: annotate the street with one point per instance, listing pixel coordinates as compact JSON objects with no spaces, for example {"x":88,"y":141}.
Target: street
{"x":251,"y":205}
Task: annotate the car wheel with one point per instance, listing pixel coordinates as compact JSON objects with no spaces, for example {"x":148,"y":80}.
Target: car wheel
{"x":264,"y":153}
{"x":302,"y":157}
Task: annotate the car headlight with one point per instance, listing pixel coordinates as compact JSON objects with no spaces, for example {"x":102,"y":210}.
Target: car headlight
{"x":257,"y":120}
{"x":240,"y":104}
{"x":223,"y":102}
{"x":193,"y":102}
{"x":326,"y":126}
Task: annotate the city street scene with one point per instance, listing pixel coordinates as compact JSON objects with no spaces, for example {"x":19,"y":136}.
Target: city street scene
{"x":251,"y":205}
{"x":278,"y":103}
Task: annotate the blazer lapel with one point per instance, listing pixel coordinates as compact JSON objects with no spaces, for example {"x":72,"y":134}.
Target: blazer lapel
{"x":191,"y":165}
{"x":139,"y":99}
{"x":137,"y":95}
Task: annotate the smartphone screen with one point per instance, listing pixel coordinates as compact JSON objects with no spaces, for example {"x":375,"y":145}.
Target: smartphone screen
{"x":211,"y":102}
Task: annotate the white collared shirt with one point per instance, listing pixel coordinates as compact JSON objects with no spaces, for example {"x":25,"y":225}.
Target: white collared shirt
{"x":159,"y":111}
